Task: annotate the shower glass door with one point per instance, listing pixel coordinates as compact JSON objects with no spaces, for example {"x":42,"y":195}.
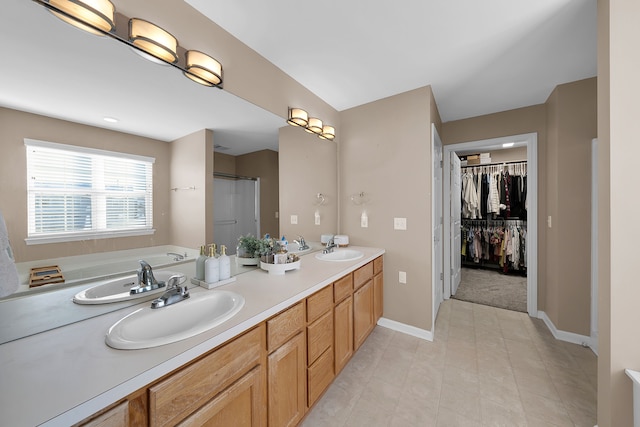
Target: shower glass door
{"x":236,"y":210}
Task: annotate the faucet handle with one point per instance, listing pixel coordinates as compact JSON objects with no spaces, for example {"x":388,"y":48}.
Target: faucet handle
{"x":173,"y":281}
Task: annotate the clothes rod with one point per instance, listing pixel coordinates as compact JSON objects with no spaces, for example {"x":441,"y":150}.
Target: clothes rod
{"x":524,"y":162}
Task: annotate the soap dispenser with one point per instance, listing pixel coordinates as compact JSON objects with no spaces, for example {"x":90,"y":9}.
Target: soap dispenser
{"x":225,"y":263}
{"x":200,"y":264}
{"x":212,"y":267}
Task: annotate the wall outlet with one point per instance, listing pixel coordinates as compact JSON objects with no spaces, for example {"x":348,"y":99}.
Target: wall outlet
{"x":399,"y":223}
{"x":402,"y":276}
{"x":277,"y":214}
{"x":317,"y":218}
{"x":294,"y":219}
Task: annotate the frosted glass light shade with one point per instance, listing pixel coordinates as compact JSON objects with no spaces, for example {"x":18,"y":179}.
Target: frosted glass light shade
{"x":314,"y":126}
{"x":203,"y":69}
{"x":328,"y":132}
{"x":298,"y":117}
{"x":153,"y":40}
{"x":87,"y":14}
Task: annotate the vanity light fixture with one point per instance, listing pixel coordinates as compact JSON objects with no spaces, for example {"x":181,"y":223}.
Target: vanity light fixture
{"x":328,"y":132}
{"x":203,"y":69}
{"x":297,"y":117}
{"x":314,"y":126}
{"x":86,"y":15}
{"x":508,"y":144}
{"x":153,"y":40}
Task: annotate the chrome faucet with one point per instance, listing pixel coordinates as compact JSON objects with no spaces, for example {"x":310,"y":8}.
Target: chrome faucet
{"x":146,"y":281}
{"x":302,"y":245}
{"x":330,"y":245}
{"x":174,"y":293}
{"x":177,"y":257}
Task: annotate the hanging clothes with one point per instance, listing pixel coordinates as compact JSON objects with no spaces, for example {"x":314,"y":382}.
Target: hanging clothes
{"x":499,"y":243}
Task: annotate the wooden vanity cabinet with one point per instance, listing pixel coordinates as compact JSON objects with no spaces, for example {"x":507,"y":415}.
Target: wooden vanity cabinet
{"x":287,"y":366}
{"x":343,"y":321}
{"x":320,"y":371}
{"x":378,"y":289}
{"x":363,"y":314}
{"x":227,"y":384}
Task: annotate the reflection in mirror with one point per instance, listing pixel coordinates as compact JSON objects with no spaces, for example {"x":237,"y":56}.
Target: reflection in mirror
{"x":69,"y":82}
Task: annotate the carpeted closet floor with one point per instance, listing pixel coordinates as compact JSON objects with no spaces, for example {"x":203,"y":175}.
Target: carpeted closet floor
{"x":492,"y":288}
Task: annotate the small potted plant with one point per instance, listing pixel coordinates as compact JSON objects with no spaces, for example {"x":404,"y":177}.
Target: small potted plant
{"x":248,"y":250}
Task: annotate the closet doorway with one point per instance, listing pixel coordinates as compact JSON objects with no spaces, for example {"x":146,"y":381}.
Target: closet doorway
{"x":454,"y":226}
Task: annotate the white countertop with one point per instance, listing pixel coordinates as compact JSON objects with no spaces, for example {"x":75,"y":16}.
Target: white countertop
{"x":64,"y":375}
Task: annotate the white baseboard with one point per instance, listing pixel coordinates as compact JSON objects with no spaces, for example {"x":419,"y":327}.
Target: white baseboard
{"x":406,"y":329}
{"x":567,"y":336}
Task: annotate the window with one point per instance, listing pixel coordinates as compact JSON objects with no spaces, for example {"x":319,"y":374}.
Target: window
{"x":78,"y":193}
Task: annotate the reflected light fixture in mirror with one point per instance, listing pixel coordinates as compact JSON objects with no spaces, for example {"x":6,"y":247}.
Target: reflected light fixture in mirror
{"x":298,"y":117}
{"x":203,"y":69}
{"x":153,"y":40}
{"x":328,"y":132}
{"x":87,"y":15}
{"x":314,"y":126}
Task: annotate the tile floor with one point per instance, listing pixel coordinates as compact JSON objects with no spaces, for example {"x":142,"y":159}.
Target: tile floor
{"x":486,"y":367}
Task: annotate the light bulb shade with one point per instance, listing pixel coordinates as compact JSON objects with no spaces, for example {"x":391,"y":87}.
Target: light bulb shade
{"x":203,"y":69}
{"x":153,"y":40}
{"x":298,"y":117}
{"x":328,"y":132}
{"x":86,"y":14}
{"x":314,"y":126}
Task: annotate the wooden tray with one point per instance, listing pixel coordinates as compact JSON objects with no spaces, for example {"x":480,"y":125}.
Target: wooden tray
{"x":45,"y":275}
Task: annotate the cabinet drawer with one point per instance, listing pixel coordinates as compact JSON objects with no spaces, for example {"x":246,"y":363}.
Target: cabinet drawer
{"x":362,"y":275}
{"x":174,"y":398}
{"x":114,"y":417}
{"x":284,"y":326}
{"x":342,"y":288}
{"x":319,"y":336}
{"x":377,"y":265}
{"x":319,"y":303}
{"x":320,"y":376}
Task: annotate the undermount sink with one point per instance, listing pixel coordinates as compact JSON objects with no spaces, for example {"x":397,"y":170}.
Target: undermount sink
{"x":149,"y":327}
{"x":115,"y":290}
{"x":340,"y":255}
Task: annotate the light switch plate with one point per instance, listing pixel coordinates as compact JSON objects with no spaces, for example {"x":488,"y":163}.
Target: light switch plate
{"x":402,"y":276}
{"x":364,"y":221}
{"x":399,"y":223}
{"x":277,"y":214}
{"x":294,"y":219}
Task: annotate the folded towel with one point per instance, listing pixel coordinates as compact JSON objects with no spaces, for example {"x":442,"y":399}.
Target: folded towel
{"x":9,"y":280}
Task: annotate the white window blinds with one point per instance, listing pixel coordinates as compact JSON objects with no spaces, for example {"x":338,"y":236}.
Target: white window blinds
{"x":77,"y":193}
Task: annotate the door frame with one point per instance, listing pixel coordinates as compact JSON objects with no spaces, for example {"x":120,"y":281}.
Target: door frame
{"x":531,"y":140}
{"x":437,"y":274}
{"x":594,"y":245}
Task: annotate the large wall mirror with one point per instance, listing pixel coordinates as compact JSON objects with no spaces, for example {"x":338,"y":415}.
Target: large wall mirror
{"x":54,"y":70}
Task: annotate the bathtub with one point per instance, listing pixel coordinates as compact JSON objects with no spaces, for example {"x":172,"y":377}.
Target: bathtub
{"x":85,"y":268}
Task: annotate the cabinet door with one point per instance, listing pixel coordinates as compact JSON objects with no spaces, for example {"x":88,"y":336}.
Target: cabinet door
{"x":287,"y":381}
{"x":362,"y":313}
{"x":378,"y":297}
{"x":242,"y":404}
{"x":343,"y":339}
{"x":118,"y":416}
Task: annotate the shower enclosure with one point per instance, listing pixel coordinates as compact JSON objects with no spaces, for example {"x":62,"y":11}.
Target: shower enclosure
{"x":236,"y":209}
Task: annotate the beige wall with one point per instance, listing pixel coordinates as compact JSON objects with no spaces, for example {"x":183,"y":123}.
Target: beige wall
{"x":264,"y":164}
{"x":385,"y":152}
{"x":509,"y":155}
{"x":571,"y":125}
{"x":16,"y":125}
{"x":308,"y":166}
{"x":512,"y":122}
{"x":192,"y":210}
{"x":224,"y":163}
{"x":619,"y":293}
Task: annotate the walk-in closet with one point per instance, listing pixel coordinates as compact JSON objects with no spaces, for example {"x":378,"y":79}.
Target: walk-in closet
{"x":493,"y":229}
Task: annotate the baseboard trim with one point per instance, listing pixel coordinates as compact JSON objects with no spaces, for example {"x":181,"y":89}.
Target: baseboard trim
{"x":406,"y":329}
{"x":567,"y":336}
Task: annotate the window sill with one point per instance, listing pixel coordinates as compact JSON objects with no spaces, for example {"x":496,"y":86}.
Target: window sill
{"x":61,"y":238}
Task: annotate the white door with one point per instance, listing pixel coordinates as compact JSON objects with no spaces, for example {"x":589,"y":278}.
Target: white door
{"x":456,"y":214}
{"x":436,"y":215}
{"x":594,"y":245}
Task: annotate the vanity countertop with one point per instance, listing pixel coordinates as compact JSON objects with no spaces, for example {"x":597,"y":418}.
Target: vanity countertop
{"x":64,"y":375}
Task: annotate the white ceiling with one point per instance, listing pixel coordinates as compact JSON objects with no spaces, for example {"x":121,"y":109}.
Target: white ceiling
{"x":479,"y":57}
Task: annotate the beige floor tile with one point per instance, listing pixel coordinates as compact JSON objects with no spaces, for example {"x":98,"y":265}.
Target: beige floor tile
{"x":451,"y":418}
{"x":333,"y":409}
{"x":551,"y":410}
{"x":537,"y":384}
{"x":462,"y":400}
{"x":499,"y":415}
{"x":366,"y":414}
{"x":461,"y":378}
{"x":381,"y":394}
